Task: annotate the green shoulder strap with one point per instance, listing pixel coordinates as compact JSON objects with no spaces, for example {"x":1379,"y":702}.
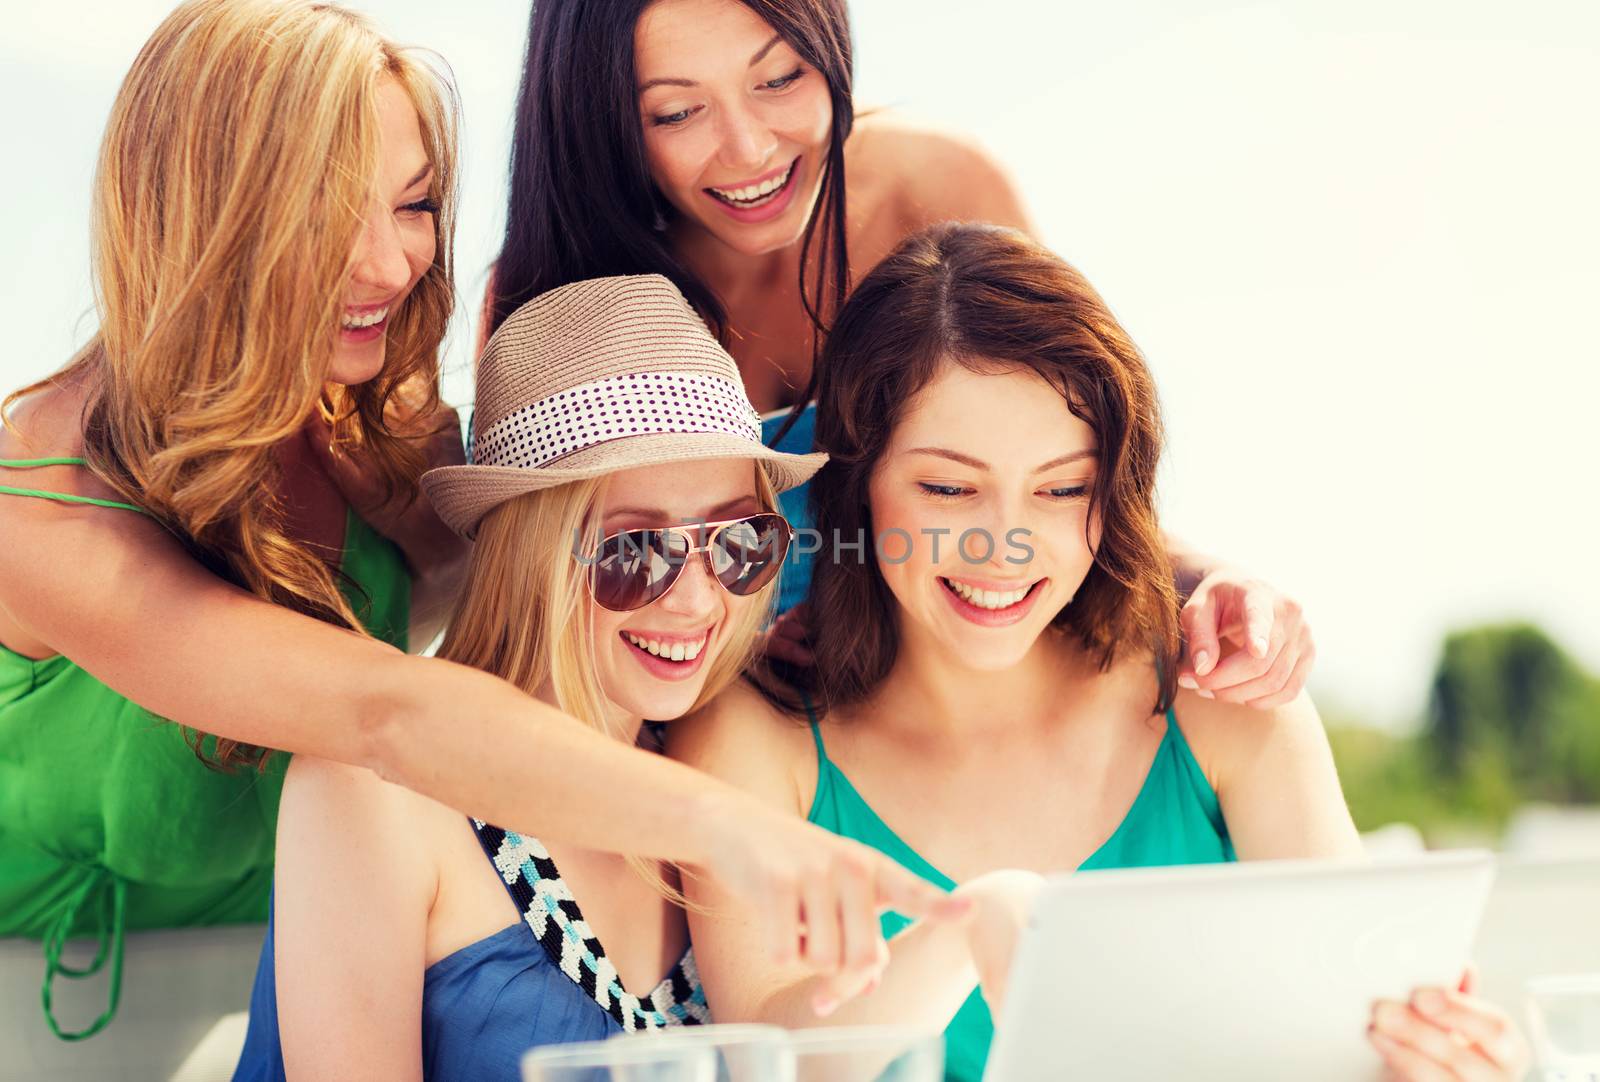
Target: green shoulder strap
{"x":59,"y":497}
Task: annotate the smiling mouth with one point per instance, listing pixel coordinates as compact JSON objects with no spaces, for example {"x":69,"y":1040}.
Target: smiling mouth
{"x":752,"y":196}
{"x":358,"y":321}
{"x":992,"y":600}
{"x":680,"y":652}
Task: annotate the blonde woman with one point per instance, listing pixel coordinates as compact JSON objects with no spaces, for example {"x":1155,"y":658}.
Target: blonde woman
{"x":212,"y":518}
{"x":627,"y":542}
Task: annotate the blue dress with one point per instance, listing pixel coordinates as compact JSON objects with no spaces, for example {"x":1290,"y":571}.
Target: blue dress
{"x":544,"y":980}
{"x":795,"y":504}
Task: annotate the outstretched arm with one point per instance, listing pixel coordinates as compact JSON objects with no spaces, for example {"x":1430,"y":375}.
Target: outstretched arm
{"x":120,"y":597}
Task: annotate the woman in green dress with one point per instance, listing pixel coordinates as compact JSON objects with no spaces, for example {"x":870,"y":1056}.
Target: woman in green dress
{"x":995,"y":686}
{"x":211,"y":519}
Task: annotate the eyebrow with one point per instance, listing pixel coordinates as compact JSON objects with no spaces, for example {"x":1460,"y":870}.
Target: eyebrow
{"x":427,"y":167}
{"x":979,"y":464}
{"x":657,"y":514}
{"x":754,"y":60}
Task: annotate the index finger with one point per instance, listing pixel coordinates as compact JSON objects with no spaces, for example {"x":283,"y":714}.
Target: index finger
{"x":1199,"y":621}
{"x":896,"y":888}
{"x":1258,"y":620}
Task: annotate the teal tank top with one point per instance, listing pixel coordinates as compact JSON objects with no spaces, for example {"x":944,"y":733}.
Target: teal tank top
{"x":1175,"y":819}
{"x":108,"y":822}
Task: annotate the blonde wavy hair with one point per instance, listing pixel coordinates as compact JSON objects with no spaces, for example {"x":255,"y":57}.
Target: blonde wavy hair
{"x":524,"y":612}
{"x":234,"y":177}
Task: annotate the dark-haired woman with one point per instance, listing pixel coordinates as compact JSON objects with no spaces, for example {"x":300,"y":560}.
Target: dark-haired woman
{"x":995,"y":679}
{"x":710,"y":141}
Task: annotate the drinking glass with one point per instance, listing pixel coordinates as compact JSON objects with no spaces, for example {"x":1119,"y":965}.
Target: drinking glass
{"x":1564,"y":1016}
{"x":620,"y":1061}
{"x":867,"y":1054}
{"x":744,"y":1053}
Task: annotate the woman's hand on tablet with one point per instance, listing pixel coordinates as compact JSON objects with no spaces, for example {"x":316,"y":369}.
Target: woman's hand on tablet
{"x":997,"y":907}
{"x":1001,"y":903}
{"x":1448,"y":1034}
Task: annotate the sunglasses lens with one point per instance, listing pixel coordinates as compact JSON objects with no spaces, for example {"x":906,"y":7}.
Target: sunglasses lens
{"x":633,"y":568}
{"x":747,"y":554}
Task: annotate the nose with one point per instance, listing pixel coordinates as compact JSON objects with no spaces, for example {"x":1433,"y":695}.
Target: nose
{"x":380,"y":256}
{"x":996,"y":521}
{"x":747,"y":141}
{"x":694,"y":595}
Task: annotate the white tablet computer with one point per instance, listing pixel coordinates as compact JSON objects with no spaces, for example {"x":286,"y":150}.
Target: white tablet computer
{"x":1262,"y":970}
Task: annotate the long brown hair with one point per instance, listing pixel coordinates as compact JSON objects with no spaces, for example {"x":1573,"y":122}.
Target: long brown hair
{"x":981,"y":296}
{"x":240,"y":153}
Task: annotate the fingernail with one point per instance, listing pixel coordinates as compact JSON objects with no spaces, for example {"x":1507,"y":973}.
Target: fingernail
{"x":1204,"y":694}
{"x":1202,"y":662}
{"x":1187,"y":681}
{"x":1259,"y":645}
{"x":824,"y":1005}
{"x":1381,"y":1041}
{"x":1428,"y":1001}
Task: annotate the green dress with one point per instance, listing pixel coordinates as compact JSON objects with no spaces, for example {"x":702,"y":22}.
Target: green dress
{"x":1175,"y":819}
{"x":108,"y":821}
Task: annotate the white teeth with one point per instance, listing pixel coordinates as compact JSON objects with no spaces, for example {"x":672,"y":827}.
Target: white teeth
{"x":988,"y":599}
{"x":755,"y":194}
{"x":678,"y":651}
{"x":369,"y":319}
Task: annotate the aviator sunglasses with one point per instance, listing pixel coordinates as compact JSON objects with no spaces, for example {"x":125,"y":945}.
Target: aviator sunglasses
{"x":633,"y":568}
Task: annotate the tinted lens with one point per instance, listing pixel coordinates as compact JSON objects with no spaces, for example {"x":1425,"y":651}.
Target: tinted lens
{"x":633,"y":568}
{"x":746,"y":554}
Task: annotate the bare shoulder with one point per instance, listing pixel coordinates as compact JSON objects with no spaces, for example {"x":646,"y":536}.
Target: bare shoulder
{"x":1227,"y":738}
{"x":927,"y":174}
{"x":46,"y":545}
{"x":49,"y":424}
{"x":323,"y":791}
{"x":743,"y":738}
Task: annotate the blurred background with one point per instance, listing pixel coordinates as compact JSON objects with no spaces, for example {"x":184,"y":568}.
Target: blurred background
{"x":1357,"y":242}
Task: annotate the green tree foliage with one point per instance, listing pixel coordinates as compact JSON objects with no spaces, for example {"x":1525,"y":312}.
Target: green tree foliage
{"x":1508,"y":700}
{"x":1511,"y":718}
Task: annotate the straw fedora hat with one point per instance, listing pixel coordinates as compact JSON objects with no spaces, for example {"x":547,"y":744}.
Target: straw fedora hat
{"x":599,"y":376}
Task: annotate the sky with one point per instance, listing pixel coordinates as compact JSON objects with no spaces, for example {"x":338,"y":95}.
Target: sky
{"x":1356,"y":242}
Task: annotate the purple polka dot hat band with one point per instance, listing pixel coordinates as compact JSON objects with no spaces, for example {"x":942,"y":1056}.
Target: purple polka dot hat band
{"x":639,"y":403}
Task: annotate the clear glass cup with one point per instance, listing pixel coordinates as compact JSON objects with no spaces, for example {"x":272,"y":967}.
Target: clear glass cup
{"x":1564,"y":1025}
{"x":744,"y":1053}
{"x":620,"y":1061}
{"x":867,"y":1054}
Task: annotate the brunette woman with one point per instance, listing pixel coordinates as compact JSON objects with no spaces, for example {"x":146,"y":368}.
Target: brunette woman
{"x":713,"y":142}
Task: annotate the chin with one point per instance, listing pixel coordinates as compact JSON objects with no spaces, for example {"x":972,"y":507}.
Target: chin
{"x":656,"y":704}
{"x":350,"y":369}
{"x":987,"y":657}
{"x":763,"y":239}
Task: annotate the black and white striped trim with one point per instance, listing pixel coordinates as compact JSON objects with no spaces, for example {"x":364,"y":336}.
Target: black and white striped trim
{"x":550,"y":911}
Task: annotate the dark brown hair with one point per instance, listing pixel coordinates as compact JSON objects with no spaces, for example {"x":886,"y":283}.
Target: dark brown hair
{"x":981,"y":296}
{"x":582,"y":202}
